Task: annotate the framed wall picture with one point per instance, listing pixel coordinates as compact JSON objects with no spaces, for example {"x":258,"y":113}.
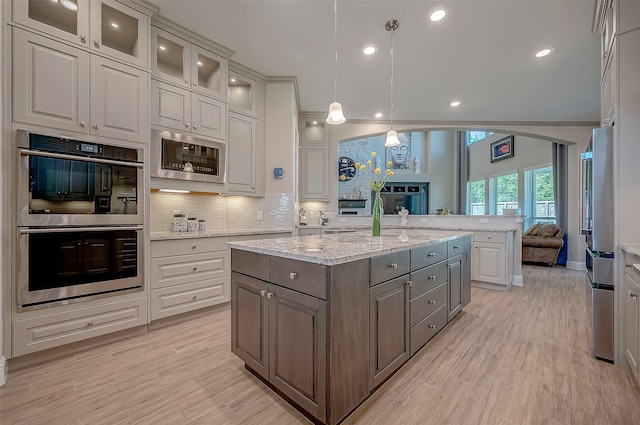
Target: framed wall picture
{"x":502,"y":149}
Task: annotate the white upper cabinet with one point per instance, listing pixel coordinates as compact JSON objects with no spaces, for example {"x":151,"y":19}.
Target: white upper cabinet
{"x":176,"y":60}
{"x":245,"y":95}
{"x":105,"y":26}
{"x":59,"y":86}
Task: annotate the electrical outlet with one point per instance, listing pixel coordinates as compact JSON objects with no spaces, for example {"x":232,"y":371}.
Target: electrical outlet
{"x":260,"y":216}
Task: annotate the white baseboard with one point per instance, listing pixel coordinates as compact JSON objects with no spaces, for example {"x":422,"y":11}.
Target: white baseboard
{"x":517,"y":280}
{"x":575,"y":265}
{"x":3,"y":370}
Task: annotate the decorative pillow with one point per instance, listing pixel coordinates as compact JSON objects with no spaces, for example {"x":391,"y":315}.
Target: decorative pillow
{"x":533,"y":230}
{"x":547,"y":230}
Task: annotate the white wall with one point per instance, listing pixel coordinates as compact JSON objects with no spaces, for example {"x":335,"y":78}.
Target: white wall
{"x":3,"y":370}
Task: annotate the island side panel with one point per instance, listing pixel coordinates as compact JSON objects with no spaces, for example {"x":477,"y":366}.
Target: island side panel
{"x":349,"y":338}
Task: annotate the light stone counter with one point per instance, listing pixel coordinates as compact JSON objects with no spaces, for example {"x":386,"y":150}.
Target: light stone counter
{"x":159,"y":236}
{"x":631,"y":249}
{"x":332,"y":249}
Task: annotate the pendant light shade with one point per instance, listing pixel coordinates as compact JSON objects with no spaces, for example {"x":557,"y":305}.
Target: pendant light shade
{"x":335,"y":116}
{"x":392,"y":139}
{"x":392,"y":136}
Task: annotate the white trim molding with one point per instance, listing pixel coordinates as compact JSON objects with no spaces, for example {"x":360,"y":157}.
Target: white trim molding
{"x":3,"y":370}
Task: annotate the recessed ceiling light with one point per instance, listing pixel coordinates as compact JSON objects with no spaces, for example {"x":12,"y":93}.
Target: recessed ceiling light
{"x":379,"y":115}
{"x":69,"y":5}
{"x":369,"y":50}
{"x":543,"y":53}
{"x":161,"y":47}
{"x":115,"y":25}
{"x":455,"y":103}
{"x":199,"y":63}
{"x":233,"y":79}
{"x":437,"y":15}
{"x":314,"y":122}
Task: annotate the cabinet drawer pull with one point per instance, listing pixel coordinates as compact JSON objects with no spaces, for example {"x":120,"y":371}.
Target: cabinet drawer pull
{"x":432,"y":326}
{"x":194,"y":246}
{"x":393,"y":265}
{"x":263,"y":293}
{"x":431,"y":254}
{"x":456,"y":247}
{"x":194,"y":269}
{"x":89,"y":323}
{"x":293,"y":275}
{"x":432,"y":302}
{"x":195,"y":297}
{"x":432,"y":277}
{"x":489,"y":237}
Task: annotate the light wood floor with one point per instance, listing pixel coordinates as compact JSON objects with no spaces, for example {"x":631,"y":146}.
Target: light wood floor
{"x":513,"y":358}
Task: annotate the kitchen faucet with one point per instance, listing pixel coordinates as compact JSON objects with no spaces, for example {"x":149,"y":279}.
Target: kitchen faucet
{"x":323,"y":219}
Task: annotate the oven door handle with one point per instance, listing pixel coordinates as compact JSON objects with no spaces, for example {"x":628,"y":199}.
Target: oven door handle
{"x":29,"y":152}
{"x":78,"y":229}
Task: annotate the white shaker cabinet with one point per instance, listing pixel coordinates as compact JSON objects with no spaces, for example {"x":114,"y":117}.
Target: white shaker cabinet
{"x":63,"y":87}
{"x":106,"y":27}
{"x":492,"y":258}
{"x":180,"y":109}
{"x":632,"y":316}
{"x":314,"y":174}
{"x":245,"y":146}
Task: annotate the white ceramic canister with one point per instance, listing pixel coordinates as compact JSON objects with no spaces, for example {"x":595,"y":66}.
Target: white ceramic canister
{"x":202,"y":225}
{"x":192,"y":224}
{"x":179,"y":223}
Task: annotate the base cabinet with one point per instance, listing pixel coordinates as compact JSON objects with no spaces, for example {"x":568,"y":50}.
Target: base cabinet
{"x":493,"y":257}
{"x":632,"y":322}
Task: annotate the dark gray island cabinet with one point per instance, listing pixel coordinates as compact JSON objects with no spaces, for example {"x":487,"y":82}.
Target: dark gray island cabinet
{"x":324,"y":330}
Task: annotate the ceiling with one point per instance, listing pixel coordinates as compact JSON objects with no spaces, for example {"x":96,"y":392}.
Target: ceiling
{"x":482,"y":54}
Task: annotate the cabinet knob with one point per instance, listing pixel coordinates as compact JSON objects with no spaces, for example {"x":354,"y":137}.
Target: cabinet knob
{"x":82,"y":124}
{"x":186,"y":124}
{"x":186,"y":81}
{"x":96,"y":44}
{"x":194,"y":246}
{"x":269,"y":295}
{"x":195,"y":126}
{"x":293,"y":275}
{"x":89,"y":323}
{"x":263,"y":293}
{"x":489,"y":237}
{"x":431,"y":254}
{"x":456,"y":247}
{"x":195,"y":297}
{"x":432,"y":302}
{"x":195,"y":83}
{"x":432,"y":326}
{"x":195,"y":268}
{"x":95,"y":126}
{"x":83,"y":38}
{"x":409,"y":282}
{"x":393,"y":265}
{"x":633,"y":295}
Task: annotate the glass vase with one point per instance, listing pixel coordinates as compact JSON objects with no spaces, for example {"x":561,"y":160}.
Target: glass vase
{"x":375,"y":229}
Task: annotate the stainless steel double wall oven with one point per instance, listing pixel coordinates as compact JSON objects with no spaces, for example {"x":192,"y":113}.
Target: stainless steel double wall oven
{"x":80,"y":218}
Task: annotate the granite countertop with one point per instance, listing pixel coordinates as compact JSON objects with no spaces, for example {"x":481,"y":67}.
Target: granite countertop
{"x":412,"y":227}
{"x":631,"y":249}
{"x":345,"y":247}
{"x":159,"y":236}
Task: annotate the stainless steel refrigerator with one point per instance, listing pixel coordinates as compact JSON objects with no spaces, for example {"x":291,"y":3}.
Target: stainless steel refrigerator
{"x":597,"y":226}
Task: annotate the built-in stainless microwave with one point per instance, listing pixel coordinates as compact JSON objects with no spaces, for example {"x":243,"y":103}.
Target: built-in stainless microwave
{"x":180,"y":156}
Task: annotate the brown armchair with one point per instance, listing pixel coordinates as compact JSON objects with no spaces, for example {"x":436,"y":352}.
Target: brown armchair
{"x":541,"y":243}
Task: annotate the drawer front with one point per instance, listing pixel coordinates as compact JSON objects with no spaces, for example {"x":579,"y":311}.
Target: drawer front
{"x":427,"y":278}
{"x":308,"y":278}
{"x":421,"y":333}
{"x":427,"y":303}
{"x":427,"y":255}
{"x":455,"y":247}
{"x":173,"y":247}
{"x":170,"y":271}
{"x":41,"y":333}
{"x":498,"y":237}
{"x":250,"y":263}
{"x":174,"y":300}
{"x":388,"y":266}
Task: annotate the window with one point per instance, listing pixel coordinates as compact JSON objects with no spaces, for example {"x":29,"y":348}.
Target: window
{"x":503,"y":193}
{"x":476,"y":198}
{"x":539,"y":206}
{"x":476,"y":136}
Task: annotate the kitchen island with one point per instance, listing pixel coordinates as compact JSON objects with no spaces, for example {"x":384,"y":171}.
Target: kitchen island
{"x":325,"y":319}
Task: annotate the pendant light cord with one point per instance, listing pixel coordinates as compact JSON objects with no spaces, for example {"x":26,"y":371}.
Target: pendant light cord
{"x":391,"y":80}
{"x":335,"y":48}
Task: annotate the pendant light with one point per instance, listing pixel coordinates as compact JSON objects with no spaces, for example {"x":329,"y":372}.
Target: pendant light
{"x":335,"y":116}
{"x":392,"y":136}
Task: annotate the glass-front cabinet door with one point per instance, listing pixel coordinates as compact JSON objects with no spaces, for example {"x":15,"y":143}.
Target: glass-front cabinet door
{"x":170,"y":57}
{"x":105,"y":26}
{"x":240,"y":92}
{"x":64,"y":19}
{"x":119,"y":31}
{"x":208,"y":72}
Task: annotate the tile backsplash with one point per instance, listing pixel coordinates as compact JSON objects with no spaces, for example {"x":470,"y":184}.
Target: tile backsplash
{"x":223,"y":212}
